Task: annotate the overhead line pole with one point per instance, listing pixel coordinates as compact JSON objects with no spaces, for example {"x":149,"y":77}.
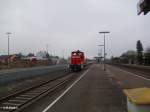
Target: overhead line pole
{"x":104,"y":47}
{"x":8,"y":60}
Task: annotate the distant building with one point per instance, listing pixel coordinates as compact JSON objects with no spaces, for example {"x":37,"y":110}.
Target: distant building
{"x":98,"y":59}
{"x":41,"y":55}
{"x":3,"y":59}
{"x":55,"y":60}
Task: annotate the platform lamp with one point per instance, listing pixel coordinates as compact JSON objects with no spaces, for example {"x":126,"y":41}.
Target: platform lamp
{"x":104,"y":32}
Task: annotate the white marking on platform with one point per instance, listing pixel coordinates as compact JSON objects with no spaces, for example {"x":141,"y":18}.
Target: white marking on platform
{"x":50,"y":105}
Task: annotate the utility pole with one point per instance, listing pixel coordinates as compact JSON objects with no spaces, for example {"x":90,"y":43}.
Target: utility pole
{"x":47,"y":48}
{"x":47,"y":53}
{"x":8,"y":60}
{"x":63,"y":51}
{"x":104,"y":32}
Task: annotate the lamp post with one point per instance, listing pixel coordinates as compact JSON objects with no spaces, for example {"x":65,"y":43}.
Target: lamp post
{"x":104,"y":32}
{"x":8,"y":61}
{"x":101,"y":52}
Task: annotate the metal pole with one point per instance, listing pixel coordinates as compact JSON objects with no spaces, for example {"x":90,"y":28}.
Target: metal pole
{"x":8,"y":52}
{"x":104,"y":53}
{"x":47,"y":48}
{"x":63,"y":53}
{"x":104,"y":48}
{"x":8,"y":60}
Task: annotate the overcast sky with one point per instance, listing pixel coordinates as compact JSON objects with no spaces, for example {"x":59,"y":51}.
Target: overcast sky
{"x":66,"y":25}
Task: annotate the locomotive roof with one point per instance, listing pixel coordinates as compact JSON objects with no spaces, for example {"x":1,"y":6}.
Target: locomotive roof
{"x":78,"y":51}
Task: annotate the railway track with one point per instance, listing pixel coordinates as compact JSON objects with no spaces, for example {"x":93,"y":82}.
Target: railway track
{"x":19,"y":100}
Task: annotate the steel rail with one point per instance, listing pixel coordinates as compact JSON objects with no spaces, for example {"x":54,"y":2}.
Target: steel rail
{"x":22,"y":99}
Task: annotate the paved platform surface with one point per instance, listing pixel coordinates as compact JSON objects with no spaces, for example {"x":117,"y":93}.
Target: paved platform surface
{"x":95,"y":92}
{"x":127,"y":80}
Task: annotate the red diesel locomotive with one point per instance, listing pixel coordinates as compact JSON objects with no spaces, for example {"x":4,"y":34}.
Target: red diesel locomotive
{"x":77,"y":60}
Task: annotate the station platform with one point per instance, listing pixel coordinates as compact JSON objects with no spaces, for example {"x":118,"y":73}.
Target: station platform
{"x":95,"y":92}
